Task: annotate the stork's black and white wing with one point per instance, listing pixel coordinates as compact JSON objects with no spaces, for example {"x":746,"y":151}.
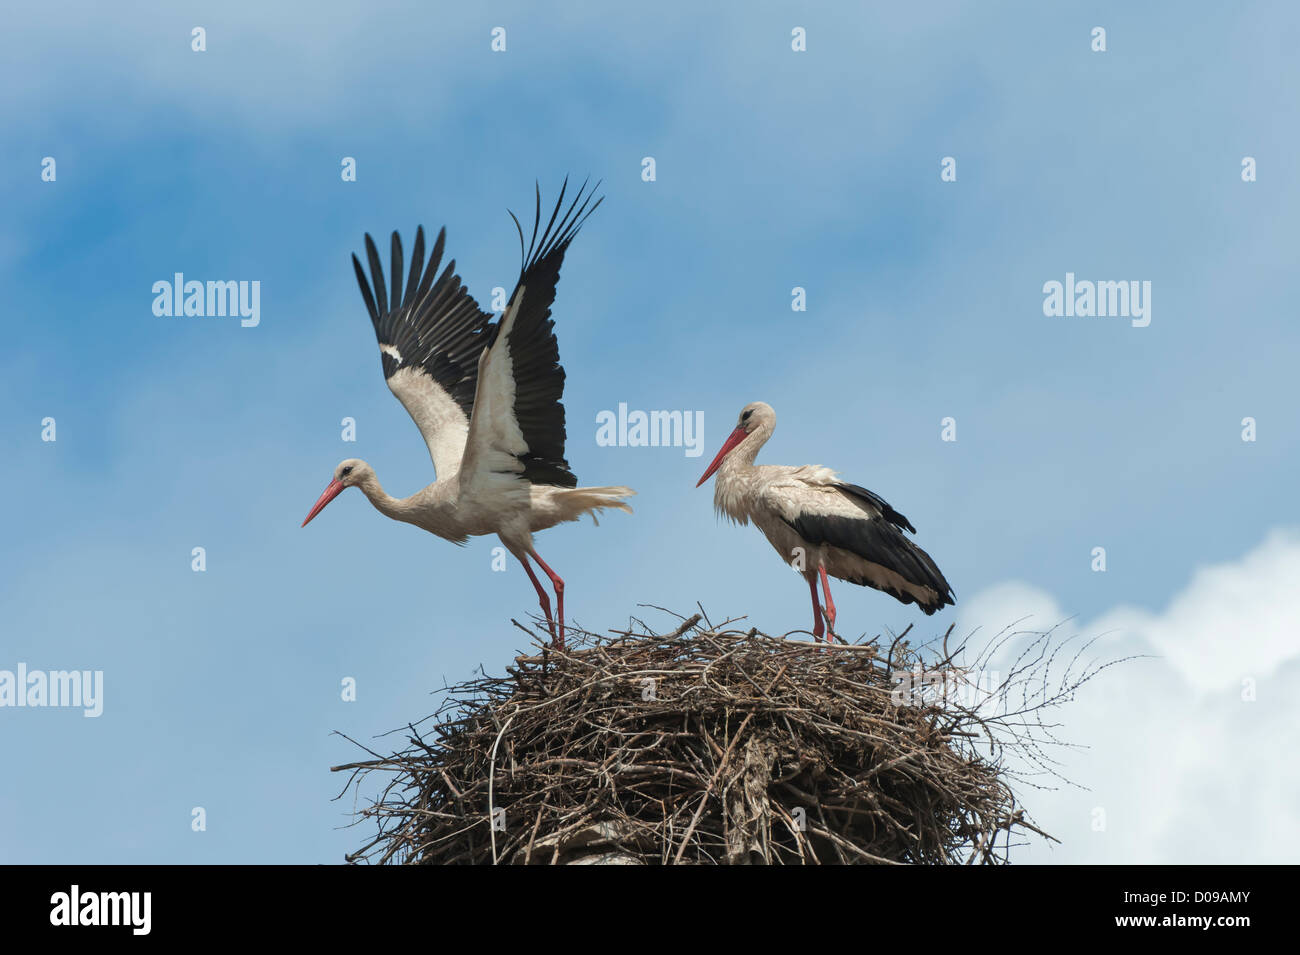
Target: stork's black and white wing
{"x":431,"y":335}
{"x":518,"y":424}
{"x":868,"y":533}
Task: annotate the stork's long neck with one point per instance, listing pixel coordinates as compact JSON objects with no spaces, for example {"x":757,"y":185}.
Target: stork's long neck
{"x":732,"y":485}
{"x":397,"y":508}
{"x":742,"y":456}
{"x":434,"y":508}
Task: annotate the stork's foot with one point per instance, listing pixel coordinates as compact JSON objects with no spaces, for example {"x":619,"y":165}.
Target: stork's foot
{"x":829,"y":610}
{"x":559,"y":609}
{"x":818,"y":627}
{"x":557,"y":637}
{"x":558,"y":583}
{"x":556,"y":641}
{"x":544,"y":602}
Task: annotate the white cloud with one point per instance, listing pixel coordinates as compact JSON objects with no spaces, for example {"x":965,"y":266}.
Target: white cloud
{"x":1184,"y":767}
{"x":1234,"y":620}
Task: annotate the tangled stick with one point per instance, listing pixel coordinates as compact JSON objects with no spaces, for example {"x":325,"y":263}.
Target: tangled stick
{"x":627,"y":749}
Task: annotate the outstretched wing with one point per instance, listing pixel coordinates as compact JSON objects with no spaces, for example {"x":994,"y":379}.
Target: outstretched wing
{"x":518,"y":423}
{"x":430,"y":339}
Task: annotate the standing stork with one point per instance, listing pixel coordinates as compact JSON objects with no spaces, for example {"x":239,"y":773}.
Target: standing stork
{"x":836,"y":528}
{"x":486,"y":397}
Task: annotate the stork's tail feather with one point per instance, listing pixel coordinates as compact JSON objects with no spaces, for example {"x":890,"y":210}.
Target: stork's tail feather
{"x":590,"y":500}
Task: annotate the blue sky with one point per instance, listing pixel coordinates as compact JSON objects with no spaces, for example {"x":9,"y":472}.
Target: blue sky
{"x":775,"y":169}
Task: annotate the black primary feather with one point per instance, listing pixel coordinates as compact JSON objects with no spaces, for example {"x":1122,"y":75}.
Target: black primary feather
{"x":880,"y":541}
{"x":539,"y":379}
{"x":434,"y":325}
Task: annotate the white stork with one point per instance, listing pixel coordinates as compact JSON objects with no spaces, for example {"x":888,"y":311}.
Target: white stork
{"x":486,"y":397}
{"x":821,"y":525}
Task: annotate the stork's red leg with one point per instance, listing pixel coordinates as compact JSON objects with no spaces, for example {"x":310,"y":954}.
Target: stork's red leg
{"x":817,"y":610}
{"x":558,"y":584}
{"x":542,"y":598}
{"x":830,"y":605}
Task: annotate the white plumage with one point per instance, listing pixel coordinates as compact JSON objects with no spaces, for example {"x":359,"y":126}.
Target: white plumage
{"x":485,"y":396}
{"x":821,"y":525}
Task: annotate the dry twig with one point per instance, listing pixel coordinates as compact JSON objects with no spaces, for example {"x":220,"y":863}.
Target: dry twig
{"x":628,"y":749}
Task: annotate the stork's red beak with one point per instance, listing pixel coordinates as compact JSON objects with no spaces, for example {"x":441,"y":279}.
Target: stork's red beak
{"x":331,"y":492}
{"x":733,"y":439}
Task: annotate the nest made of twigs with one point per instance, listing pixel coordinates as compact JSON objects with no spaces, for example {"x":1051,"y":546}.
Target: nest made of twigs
{"x":710,"y":745}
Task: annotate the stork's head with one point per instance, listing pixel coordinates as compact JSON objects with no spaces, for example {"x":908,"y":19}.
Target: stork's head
{"x":349,"y":472}
{"x":755,"y":416}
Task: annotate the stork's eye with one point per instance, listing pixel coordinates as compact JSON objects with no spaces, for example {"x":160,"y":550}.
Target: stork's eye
{"x":745,"y":416}
{"x":347,"y":470}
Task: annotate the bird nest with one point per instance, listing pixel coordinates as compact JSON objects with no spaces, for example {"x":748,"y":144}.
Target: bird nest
{"x":711,"y":744}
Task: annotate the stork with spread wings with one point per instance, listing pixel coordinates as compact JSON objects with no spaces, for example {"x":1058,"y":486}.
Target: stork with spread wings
{"x":485,"y":396}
